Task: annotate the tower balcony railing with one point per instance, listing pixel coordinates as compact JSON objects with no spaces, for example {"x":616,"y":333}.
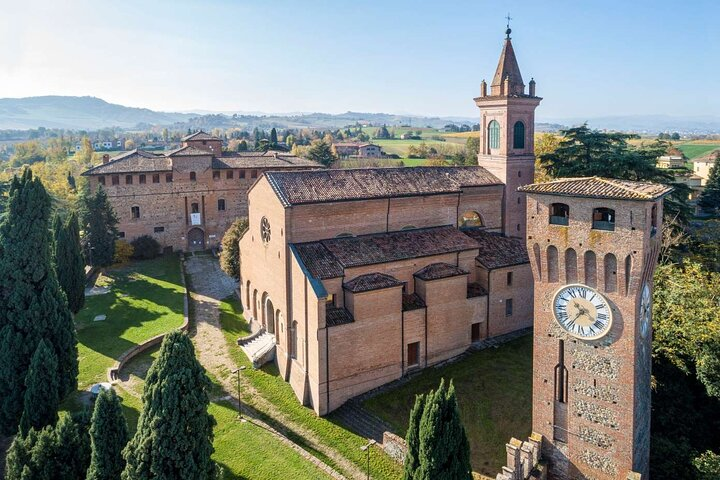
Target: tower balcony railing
{"x":603,"y":225}
{"x":559,"y":220}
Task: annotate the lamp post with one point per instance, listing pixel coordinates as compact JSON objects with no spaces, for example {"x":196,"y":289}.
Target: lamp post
{"x":238,"y":391}
{"x":366,"y":448}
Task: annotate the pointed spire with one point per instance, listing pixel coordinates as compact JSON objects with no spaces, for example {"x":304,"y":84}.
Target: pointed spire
{"x":507,"y":68}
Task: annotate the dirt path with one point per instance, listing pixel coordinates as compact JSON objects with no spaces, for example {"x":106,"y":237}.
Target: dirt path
{"x":208,"y":285}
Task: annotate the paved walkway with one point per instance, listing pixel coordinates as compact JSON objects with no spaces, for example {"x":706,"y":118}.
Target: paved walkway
{"x":208,"y":284}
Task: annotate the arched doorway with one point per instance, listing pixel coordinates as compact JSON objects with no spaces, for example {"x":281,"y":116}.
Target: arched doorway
{"x":196,"y":239}
{"x":270,"y":316}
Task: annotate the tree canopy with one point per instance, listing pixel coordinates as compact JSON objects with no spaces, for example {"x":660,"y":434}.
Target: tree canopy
{"x":710,"y":197}
{"x":69,"y":262}
{"x":108,"y":437}
{"x":100,"y":226}
{"x":321,"y":152}
{"x":230,"y":254}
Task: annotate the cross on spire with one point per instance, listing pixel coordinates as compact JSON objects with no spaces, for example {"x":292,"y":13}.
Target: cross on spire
{"x":508,"y":31}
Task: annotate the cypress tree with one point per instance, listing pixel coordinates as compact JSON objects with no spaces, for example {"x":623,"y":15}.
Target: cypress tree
{"x":444,"y":448}
{"x":33,"y":305}
{"x":72,"y":446}
{"x":69,"y":263}
{"x":710,"y":197}
{"x":19,"y":455}
{"x":174,"y":435}
{"x":100,"y":225}
{"x":108,"y":437}
{"x":41,"y":400}
{"x":412,"y":438}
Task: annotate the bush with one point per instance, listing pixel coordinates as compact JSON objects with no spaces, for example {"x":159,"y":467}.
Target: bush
{"x":145,"y":248}
{"x":123,"y":251}
{"x":230,"y":254}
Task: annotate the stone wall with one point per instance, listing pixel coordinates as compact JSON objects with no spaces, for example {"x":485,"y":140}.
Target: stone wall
{"x":523,"y":460}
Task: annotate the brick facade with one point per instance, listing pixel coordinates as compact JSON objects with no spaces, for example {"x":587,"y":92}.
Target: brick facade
{"x":185,"y":198}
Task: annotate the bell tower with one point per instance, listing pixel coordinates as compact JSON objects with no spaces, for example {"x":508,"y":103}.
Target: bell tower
{"x":507,"y":129}
{"x":593,"y":245}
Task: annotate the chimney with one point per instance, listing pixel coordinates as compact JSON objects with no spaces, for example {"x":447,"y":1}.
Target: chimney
{"x":531,"y":90}
{"x":106,"y":158}
{"x":483,"y":88}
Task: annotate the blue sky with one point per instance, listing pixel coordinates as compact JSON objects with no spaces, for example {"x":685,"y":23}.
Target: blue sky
{"x":589,"y":58}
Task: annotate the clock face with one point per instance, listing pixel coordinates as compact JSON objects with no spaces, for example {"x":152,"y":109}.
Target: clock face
{"x":582,"y":312}
{"x":265,"y":230}
{"x":645,"y":311}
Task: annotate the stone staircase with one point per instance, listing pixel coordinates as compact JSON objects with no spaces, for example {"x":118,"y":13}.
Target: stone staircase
{"x":259,"y":347}
{"x":353,"y":416}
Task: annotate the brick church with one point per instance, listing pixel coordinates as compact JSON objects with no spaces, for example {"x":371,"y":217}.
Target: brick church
{"x":357,"y":277}
{"x":185,"y":198}
{"x":364,"y":275}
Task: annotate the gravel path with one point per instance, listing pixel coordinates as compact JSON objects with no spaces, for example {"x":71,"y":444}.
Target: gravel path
{"x":208,"y":284}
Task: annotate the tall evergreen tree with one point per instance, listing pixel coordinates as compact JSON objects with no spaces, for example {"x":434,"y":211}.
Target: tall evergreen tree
{"x":174,"y":434}
{"x":100,"y":225}
{"x":19,"y":455}
{"x":710,"y":197}
{"x":412,"y":438}
{"x":321,"y":152}
{"x":41,"y":400}
{"x":69,"y":262}
{"x":273,"y":138}
{"x":108,"y":437}
{"x":444,"y":448}
{"x":33,"y":305}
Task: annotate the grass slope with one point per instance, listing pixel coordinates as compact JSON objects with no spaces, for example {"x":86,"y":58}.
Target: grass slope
{"x":494,"y":389}
{"x":145,"y":299}
{"x":280,"y":394}
{"x":695,"y":150}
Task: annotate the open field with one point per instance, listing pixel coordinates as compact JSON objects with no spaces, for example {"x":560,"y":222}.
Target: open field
{"x":145,"y":299}
{"x":694,"y":150}
{"x":494,"y":393}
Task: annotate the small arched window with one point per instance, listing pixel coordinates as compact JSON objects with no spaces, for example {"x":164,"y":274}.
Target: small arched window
{"x":519,"y":135}
{"x":135,"y":211}
{"x":559,"y":214}
{"x":603,"y":219}
{"x":293,"y":340}
{"x":194,"y":208}
{"x":653,"y":220}
{"x":494,"y":134}
{"x":193,"y":177}
{"x":471,"y":219}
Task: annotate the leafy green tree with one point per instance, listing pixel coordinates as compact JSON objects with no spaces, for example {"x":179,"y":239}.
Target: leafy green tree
{"x":230,"y":254}
{"x":710,"y":197}
{"x":708,"y":464}
{"x":145,"y":247}
{"x":444,"y":450}
{"x":472,"y":148}
{"x":41,"y":401}
{"x":175,"y":431}
{"x":27,"y":153}
{"x":33,"y":304}
{"x":583,"y":152}
{"x":321,"y":152}
{"x":69,"y":263}
{"x":108,"y":437}
{"x":242,"y":146}
{"x":412,"y":438}
{"x":100,"y":226}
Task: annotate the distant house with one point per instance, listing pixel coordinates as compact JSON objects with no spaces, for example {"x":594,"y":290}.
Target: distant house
{"x":671,"y":161}
{"x":702,"y":166}
{"x":357,"y":150}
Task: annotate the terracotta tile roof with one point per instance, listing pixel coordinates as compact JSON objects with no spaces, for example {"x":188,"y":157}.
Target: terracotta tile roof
{"x":475,"y":290}
{"x":294,"y":188}
{"x":337,"y":316}
{"x":328,"y":258}
{"x":262,"y":160}
{"x":371,"y":281}
{"x":199,"y":136}
{"x":412,"y":301}
{"x":436,"y":271}
{"x":597,"y":187}
{"x":141,"y":161}
{"x":132,"y":161}
{"x":496,"y":251}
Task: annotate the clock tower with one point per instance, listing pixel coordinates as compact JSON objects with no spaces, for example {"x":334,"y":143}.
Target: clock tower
{"x":593,"y":245}
{"x":507,"y":135}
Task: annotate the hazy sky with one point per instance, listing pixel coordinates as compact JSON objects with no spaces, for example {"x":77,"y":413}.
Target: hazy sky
{"x":589,"y":58}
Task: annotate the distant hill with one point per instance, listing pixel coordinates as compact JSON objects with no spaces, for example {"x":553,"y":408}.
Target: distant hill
{"x":78,"y":113}
{"x":650,"y":124}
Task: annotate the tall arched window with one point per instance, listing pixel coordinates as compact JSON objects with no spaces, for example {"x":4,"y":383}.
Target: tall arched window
{"x":570,"y":266}
{"x":293,"y":340}
{"x":494,"y":134}
{"x":590,"y":269}
{"x":519,"y":135}
{"x":552,"y":264}
{"x":610,"y":264}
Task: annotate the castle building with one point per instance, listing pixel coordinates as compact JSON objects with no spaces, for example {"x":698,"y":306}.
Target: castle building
{"x":593,"y":246}
{"x":360,"y":276}
{"x":188,"y":197}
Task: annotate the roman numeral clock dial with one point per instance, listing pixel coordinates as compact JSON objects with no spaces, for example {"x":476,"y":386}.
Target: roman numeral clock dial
{"x":582,"y":312}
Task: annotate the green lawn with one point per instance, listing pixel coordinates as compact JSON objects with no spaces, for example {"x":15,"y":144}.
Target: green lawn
{"x":494,"y":389}
{"x":145,"y":299}
{"x":694,"y":150}
{"x":280,"y":394}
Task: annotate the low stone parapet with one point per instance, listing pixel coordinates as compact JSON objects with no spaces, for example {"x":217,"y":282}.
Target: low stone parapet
{"x":395,"y":446}
{"x":523,"y":460}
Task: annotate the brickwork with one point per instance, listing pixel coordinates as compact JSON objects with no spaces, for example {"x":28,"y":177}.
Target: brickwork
{"x":600,"y":430}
